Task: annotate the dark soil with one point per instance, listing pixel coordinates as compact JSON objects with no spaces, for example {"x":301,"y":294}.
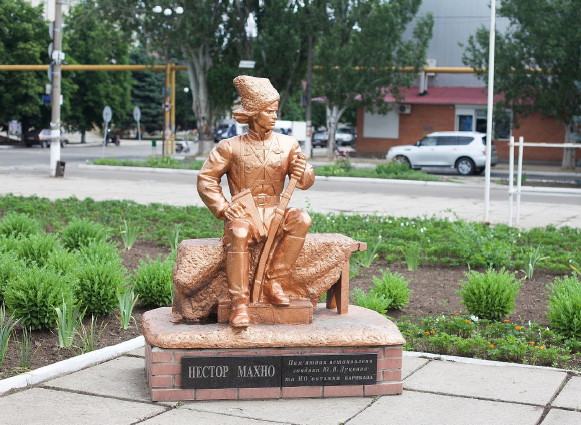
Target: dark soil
{"x":434,"y":293}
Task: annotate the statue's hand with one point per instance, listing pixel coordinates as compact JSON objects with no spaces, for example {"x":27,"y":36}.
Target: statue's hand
{"x":298,"y":166}
{"x":235,"y":210}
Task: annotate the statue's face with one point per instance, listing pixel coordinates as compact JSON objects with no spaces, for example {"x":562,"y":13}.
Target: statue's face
{"x":267,"y":117}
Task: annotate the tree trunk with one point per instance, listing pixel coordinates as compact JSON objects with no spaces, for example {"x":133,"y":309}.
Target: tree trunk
{"x":83,"y":136}
{"x":333,"y":115}
{"x":568,"y":162}
{"x":199,"y":62}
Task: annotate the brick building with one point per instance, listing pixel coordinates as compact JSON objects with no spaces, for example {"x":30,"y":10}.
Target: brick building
{"x":450,"y":108}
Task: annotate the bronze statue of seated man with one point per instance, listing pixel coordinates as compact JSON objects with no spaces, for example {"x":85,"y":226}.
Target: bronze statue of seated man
{"x":256,"y":165}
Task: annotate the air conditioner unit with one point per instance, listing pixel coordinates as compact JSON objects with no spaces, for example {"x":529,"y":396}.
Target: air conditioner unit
{"x":431,"y":63}
{"x":404,"y":108}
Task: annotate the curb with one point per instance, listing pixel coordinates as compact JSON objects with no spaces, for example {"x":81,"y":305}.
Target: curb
{"x":480,"y":362}
{"x":70,"y":365}
{"x":138,"y":169}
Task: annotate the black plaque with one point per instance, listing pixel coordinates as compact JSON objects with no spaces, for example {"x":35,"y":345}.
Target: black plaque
{"x":231,"y":372}
{"x":329,"y":369}
{"x":279,"y":371}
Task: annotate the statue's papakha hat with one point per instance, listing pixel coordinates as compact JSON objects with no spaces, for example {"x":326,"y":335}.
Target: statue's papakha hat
{"x":255,"y":95}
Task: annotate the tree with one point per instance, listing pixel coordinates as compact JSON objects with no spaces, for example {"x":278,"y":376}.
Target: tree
{"x":146,"y":91}
{"x":361,"y":53}
{"x":23,"y":41}
{"x":207,"y":35}
{"x":90,"y":40}
{"x":537,"y":61}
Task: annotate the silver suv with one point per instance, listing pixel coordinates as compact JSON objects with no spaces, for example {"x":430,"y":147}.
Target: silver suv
{"x":463,"y":150}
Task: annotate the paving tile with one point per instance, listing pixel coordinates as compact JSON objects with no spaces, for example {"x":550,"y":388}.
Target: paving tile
{"x":329,"y":411}
{"x":122,"y":377}
{"x":413,"y":408}
{"x":570,"y":396}
{"x":562,"y":417}
{"x":40,"y":406}
{"x":506,"y":383}
{"x":411,"y":364}
{"x":140,"y":352}
{"x":183,"y":416}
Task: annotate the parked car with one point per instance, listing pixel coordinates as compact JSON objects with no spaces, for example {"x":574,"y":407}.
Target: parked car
{"x":463,"y":150}
{"x":319,"y":139}
{"x":343,"y":137}
{"x":41,"y":137}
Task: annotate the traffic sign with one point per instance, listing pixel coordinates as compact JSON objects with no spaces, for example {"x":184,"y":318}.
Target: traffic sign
{"x":107,"y":114}
{"x":137,"y":113}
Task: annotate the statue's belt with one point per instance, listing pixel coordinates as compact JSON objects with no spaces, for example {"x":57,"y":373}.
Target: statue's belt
{"x":264,"y":201}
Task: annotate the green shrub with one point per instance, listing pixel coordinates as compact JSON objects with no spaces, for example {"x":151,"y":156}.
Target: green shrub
{"x":565,"y":306}
{"x":36,"y":248}
{"x":394,"y":287}
{"x":154,"y":283}
{"x":8,"y":244}
{"x":490,"y":295}
{"x":372,"y":301}
{"x":19,"y":226}
{"x":100,"y":252}
{"x":33,"y":296}
{"x":63,"y":261}
{"x":81,"y":233}
{"x":10,"y":267}
{"x":97,"y":286}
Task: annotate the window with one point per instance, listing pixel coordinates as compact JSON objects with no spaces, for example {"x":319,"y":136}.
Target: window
{"x":428,"y":141}
{"x":465,"y":122}
{"x":447,"y":141}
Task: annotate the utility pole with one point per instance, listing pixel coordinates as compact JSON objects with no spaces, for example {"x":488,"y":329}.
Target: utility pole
{"x":55,"y":100}
{"x":309,"y":136}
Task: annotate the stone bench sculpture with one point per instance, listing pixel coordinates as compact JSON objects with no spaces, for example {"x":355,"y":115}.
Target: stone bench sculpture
{"x":200,"y":277}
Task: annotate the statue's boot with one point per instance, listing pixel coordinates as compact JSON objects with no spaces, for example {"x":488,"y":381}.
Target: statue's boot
{"x":237,"y":272}
{"x":278,"y":274}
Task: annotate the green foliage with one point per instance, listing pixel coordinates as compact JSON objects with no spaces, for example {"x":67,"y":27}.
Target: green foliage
{"x":565,"y":306}
{"x":33,"y":296}
{"x":127,"y":300}
{"x":90,"y":39}
{"x":367,"y":257}
{"x":505,"y":341}
{"x":551,"y":48}
{"x":23,"y":41}
{"x":81,"y":233}
{"x":63,"y":261}
{"x":97,"y":286}
{"x":490,"y":295}
{"x":100,"y":252}
{"x":360,"y":50}
{"x":37,"y":248}
{"x":24,"y":349}
{"x":6,"y":329}
{"x":173,"y":236}
{"x":401,"y":171}
{"x":18,"y":226}
{"x":129,"y":235}
{"x":480,"y":247}
{"x":412,"y":253}
{"x":152,"y":162}
{"x":69,"y":318}
{"x":394,"y":286}
{"x":90,"y":335}
{"x":373,"y":301}
{"x":153,"y":282}
{"x":10,"y":267}
{"x":534,"y":257}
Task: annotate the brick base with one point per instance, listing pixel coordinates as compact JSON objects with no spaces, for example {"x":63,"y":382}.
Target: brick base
{"x":163,"y":373}
{"x":360,"y":332}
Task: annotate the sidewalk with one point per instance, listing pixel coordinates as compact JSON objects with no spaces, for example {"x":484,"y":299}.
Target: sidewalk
{"x":437,"y":391}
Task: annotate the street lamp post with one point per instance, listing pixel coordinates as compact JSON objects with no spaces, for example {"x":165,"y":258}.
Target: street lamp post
{"x":169,"y":94}
{"x":57,"y":57}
